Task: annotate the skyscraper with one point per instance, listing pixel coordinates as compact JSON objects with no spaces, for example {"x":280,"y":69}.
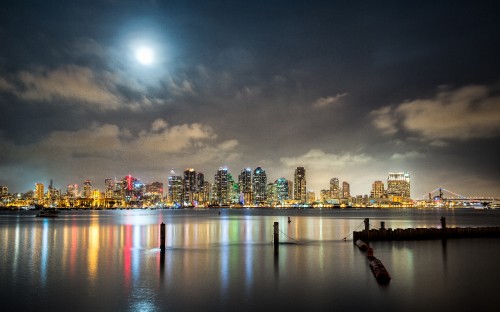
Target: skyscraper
{"x":259,"y":183}
{"x":39,"y":191}
{"x":72,"y":190}
{"x":378,"y":190}
{"x":189,"y":185}
{"x":175,"y":189}
{"x":87,"y":189}
{"x":398,"y":184}
{"x":245,"y":186}
{"x":346,"y":190}
{"x":110,"y":188}
{"x":220,"y":191}
{"x":335,"y":188}
{"x":281,"y":187}
{"x":300,"y":185}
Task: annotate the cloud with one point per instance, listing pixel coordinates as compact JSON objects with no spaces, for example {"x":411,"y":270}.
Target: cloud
{"x":463,"y":114}
{"x":76,"y":85}
{"x":318,"y":159}
{"x":384,"y":120}
{"x":407,"y":155}
{"x":328,"y":101}
{"x":110,"y":144}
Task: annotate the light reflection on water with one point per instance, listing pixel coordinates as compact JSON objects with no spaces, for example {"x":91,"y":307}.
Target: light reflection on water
{"x":110,"y":260}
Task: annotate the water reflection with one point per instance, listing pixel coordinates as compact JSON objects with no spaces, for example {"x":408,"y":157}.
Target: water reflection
{"x":211,"y":262}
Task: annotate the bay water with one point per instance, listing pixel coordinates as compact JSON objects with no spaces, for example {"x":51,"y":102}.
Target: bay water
{"x":224,"y":260}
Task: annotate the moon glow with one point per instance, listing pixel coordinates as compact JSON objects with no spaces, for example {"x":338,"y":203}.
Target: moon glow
{"x":145,"y":56}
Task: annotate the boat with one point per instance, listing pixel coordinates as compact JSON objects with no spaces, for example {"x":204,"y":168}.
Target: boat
{"x":379,"y":271}
{"x":48,"y":213}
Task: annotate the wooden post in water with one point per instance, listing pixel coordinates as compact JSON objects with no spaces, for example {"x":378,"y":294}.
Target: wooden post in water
{"x":382,"y":225}
{"x":443,"y":227}
{"x":276,"y":236}
{"x":162,"y":237}
{"x":367,"y":228}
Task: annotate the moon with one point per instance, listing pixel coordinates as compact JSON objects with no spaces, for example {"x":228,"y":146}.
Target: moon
{"x":145,"y":55}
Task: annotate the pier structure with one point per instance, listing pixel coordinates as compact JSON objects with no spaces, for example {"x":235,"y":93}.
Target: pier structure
{"x":444,"y":232}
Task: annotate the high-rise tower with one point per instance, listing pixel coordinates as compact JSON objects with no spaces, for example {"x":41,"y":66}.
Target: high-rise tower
{"x":334,"y":188}
{"x":189,"y":185}
{"x":300,"y":190}
{"x":398,"y":184}
{"x":221,"y":186}
{"x":259,"y":183}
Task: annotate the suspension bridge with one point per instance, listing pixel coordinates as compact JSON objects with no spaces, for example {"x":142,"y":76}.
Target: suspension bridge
{"x":443,"y":197}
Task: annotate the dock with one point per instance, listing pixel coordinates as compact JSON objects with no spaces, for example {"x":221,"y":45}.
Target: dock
{"x":444,"y":232}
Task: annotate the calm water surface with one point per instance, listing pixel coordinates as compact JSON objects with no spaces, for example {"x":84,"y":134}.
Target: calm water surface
{"x":110,"y":261}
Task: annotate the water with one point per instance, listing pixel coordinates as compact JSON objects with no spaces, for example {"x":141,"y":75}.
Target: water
{"x":110,"y":261}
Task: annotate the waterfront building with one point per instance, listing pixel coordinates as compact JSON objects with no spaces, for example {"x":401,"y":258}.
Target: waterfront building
{"x":300,"y":185}
{"x":220,"y":193}
{"x":39,"y":191}
{"x":334,"y":188}
{"x":311,"y":197}
{"x":189,"y":186}
{"x":324,"y":195}
{"x":4,"y":190}
{"x":245,"y":185}
{"x":174,"y":189}
{"x":87,"y":189}
{"x":72,"y":190}
{"x":205,"y":193}
{"x":259,"y":183}
{"x":200,"y":182}
{"x":134,"y":189}
{"x":378,"y":190}
{"x":290,"y":189}
{"x":109,"y":185}
{"x":233,"y":190}
{"x":281,"y":189}
{"x":346,"y":190}
{"x":398,"y":185}
{"x":154,"y":189}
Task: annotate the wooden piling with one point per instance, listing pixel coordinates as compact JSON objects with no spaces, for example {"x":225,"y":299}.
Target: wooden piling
{"x":367,"y":229}
{"x":162,"y":237}
{"x":276,"y":236}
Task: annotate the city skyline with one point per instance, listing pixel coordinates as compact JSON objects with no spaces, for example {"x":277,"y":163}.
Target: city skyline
{"x":345,"y":90}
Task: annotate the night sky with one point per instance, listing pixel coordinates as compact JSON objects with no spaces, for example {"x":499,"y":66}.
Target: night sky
{"x":346,"y":89}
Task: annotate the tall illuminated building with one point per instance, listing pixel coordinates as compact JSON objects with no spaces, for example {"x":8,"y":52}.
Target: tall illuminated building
{"x":175,"y":189}
{"x":378,"y":190}
{"x":233,"y":189}
{"x":109,"y":185}
{"x":334,"y":188}
{"x":300,"y":190}
{"x":311,"y":197}
{"x":4,"y":190}
{"x":324,"y":195}
{"x":189,"y":185}
{"x":87,"y":189}
{"x":271,"y":196}
{"x":281,"y":189}
{"x":290,"y":189}
{"x":346,"y":190}
{"x":220,"y":191}
{"x":39,"y":191}
{"x":259,"y":184}
{"x":154,"y":189}
{"x":72,"y":190}
{"x":398,"y":184}
{"x":245,"y":185}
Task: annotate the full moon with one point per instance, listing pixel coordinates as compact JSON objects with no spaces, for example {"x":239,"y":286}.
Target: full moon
{"x":145,"y":55}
